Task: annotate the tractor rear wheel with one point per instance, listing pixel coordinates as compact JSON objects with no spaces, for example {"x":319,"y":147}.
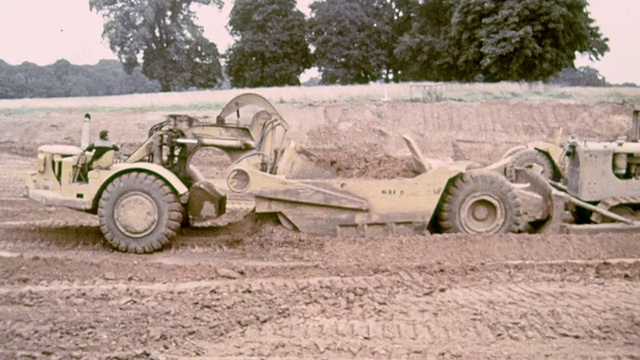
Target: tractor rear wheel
{"x":480,"y":203}
{"x":139,"y":213}
{"x":527,"y":159}
{"x":513,"y":150}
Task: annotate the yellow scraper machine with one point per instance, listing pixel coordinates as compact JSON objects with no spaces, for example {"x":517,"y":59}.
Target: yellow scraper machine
{"x":143,"y":199}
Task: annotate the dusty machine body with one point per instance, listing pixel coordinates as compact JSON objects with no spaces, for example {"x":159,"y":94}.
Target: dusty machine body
{"x":605,"y":177}
{"x":443,"y":197}
{"x":144,"y":199}
{"x":598,"y":182}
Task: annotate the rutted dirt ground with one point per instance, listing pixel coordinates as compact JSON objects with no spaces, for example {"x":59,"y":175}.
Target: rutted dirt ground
{"x":252,"y":289}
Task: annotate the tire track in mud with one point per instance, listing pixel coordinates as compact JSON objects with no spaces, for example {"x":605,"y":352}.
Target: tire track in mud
{"x":250,"y":236}
{"x":393,"y":314}
{"x":288,"y":311}
{"x":481,"y":319}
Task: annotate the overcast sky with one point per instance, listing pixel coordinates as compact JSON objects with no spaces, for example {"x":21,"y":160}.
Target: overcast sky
{"x":44,"y":31}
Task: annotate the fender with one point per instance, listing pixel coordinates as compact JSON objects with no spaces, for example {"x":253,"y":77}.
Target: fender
{"x":99,"y":179}
{"x":552,"y":150}
{"x":513,"y":150}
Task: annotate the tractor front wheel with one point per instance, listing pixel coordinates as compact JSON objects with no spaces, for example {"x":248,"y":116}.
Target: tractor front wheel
{"x":139,"y":213}
{"x":480,"y":203}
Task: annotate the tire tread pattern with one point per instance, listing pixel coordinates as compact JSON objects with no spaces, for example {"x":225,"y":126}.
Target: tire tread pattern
{"x":479,"y":181}
{"x":167,"y":201}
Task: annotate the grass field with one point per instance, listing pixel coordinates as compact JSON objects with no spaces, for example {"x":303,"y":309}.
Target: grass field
{"x":417,"y":92}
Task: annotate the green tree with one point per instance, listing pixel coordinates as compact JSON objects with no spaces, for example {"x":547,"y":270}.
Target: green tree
{"x":163,"y":35}
{"x":271,"y":47}
{"x":522,"y":40}
{"x":400,"y":15}
{"x":425,"y":50}
{"x":496,"y":40}
{"x":352,"y":39}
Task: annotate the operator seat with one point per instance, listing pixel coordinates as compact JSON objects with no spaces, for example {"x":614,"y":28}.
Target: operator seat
{"x":104,"y":162}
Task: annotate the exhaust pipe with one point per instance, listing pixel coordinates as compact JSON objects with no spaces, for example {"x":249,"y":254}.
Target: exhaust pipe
{"x":86,"y":128}
{"x":635,"y":126}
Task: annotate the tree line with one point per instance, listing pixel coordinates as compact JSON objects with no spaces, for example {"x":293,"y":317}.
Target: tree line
{"x":63,"y":79}
{"x":349,"y":41}
{"x":353,"y":41}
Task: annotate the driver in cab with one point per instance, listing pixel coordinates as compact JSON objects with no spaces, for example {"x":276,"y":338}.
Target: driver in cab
{"x":101,"y":147}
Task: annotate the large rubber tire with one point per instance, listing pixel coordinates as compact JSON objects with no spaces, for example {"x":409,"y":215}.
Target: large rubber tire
{"x":480,"y":202}
{"x":526,"y":159}
{"x":139,"y":213}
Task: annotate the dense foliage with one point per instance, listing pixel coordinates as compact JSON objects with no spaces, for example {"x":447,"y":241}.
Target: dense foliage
{"x":462,"y":40}
{"x":349,"y":41}
{"x":163,"y":34}
{"x":63,"y":79}
{"x":271,"y":47}
{"x":498,"y":40}
{"x":425,"y":50}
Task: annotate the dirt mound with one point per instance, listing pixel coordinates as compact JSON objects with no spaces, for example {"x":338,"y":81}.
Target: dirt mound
{"x":351,"y":164}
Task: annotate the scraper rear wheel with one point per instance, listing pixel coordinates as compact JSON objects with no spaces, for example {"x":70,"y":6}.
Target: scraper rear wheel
{"x":480,"y":203}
